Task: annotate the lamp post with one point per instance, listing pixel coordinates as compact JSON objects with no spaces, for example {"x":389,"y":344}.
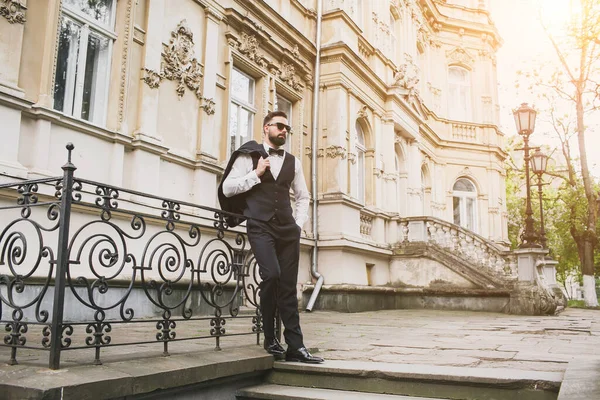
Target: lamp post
{"x":539,"y":162}
{"x":525,"y":121}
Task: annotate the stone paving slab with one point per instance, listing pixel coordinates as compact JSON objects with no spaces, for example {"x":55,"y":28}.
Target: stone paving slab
{"x":409,"y":337}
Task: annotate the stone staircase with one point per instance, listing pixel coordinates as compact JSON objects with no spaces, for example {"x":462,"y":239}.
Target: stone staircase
{"x":367,"y":380}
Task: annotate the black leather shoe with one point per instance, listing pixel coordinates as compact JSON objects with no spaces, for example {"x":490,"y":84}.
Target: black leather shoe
{"x":302,"y":355}
{"x":272,"y":346}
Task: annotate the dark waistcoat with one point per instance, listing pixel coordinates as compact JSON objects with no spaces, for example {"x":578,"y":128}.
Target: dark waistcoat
{"x":271,"y":197}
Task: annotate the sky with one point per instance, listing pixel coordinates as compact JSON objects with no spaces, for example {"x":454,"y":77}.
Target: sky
{"x":526,"y":45}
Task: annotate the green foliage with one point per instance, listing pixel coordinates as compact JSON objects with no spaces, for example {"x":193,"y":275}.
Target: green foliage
{"x":515,"y":205}
{"x":576,"y":303}
{"x":564,"y":209}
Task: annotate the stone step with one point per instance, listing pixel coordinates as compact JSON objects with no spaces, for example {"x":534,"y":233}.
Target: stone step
{"x":423,"y":381}
{"x":282,"y":392}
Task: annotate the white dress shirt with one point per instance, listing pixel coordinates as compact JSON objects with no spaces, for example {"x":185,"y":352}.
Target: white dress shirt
{"x":242,"y":178}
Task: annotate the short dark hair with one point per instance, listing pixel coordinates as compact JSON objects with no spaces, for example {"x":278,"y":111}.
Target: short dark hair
{"x":272,"y":115}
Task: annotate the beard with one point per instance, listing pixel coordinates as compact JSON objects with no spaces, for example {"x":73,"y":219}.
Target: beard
{"x":277,"y":140}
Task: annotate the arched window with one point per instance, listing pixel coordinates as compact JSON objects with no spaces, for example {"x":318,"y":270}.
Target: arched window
{"x":360,"y":161}
{"x":459,"y":94}
{"x":464,"y":203}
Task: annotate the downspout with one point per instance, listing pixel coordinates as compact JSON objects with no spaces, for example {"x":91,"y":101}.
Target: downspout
{"x":315,"y":130}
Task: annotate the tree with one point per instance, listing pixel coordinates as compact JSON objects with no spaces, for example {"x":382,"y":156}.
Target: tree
{"x":575,"y":82}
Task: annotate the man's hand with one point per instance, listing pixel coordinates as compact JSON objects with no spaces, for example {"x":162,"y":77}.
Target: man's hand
{"x":262,"y":166}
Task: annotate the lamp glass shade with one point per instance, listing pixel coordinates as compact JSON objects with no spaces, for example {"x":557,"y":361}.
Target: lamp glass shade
{"x":539,"y":162}
{"x":525,"y":119}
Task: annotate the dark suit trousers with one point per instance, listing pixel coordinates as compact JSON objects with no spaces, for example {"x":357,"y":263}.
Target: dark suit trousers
{"x":277,"y":250}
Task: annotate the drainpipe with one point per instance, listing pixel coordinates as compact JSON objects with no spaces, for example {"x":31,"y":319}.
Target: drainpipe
{"x":313,"y":270}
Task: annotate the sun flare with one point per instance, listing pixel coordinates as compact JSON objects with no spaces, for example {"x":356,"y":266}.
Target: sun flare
{"x":555,"y":14}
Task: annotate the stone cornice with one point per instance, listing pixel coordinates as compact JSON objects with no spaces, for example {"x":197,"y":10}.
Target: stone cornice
{"x":308,"y":12}
{"x":276,"y":23}
{"x":341,"y":14}
{"x":291,"y":56}
{"x":341,"y":52}
{"x":435,"y":18}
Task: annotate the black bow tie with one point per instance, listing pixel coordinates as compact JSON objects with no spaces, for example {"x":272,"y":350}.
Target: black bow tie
{"x":280,"y":152}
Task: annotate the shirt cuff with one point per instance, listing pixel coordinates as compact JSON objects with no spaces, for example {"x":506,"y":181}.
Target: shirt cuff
{"x":252,"y":178}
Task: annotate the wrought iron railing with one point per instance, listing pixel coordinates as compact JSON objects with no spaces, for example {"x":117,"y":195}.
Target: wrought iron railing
{"x":80,"y":260}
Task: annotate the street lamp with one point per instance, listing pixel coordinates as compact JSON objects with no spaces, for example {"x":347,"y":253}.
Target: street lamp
{"x":539,"y":162}
{"x":525,"y":121}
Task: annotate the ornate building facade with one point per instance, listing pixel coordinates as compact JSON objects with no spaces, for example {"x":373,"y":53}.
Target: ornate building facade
{"x":156,"y":94}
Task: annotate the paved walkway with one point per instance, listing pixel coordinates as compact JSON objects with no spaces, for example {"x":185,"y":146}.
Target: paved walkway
{"x":456,"y":338}
{"x":426,"y":337}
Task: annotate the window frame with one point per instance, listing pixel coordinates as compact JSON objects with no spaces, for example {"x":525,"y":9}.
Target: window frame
{"x":241,"y":104}
{"x":290,"y":114}
{"x":74,"y":88}
{"x":468,"y":111}
{"x":463,"y":197}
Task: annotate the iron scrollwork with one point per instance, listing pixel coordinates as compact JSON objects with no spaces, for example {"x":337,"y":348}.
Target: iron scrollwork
{"x":188,"y":268}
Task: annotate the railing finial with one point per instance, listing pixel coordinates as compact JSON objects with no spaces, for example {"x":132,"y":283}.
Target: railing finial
{"x":70,"y":148}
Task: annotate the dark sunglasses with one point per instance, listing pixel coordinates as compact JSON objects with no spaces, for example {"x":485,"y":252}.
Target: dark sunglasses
{"x":280,"y":126}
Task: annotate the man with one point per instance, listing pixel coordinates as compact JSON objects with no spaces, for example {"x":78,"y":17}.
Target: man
{"x":257,"y":183}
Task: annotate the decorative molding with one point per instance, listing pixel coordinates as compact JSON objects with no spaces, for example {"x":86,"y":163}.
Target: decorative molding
{"x":249,"y":46}
{"x":362,"y":112}
{"x":208,"y":106}
{"x":308,"y":151}
{"x":336,"y":151}
{"x":296,"y":52}
{"x":180,"y":65}
{"x":124,"y":62}
{"x":460,"y":56}
{"x":352,"y":157}
{"x":11,"y":10}
{"x":406,"y":76}
{"x":152,"y":78}
{"x":287,"y":75}
{"x":390,"y":177}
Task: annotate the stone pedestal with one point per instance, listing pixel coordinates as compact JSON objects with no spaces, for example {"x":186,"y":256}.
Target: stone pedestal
{"x":533,"y":294}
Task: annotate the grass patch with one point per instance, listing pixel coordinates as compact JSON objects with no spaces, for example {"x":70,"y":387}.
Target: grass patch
{"x":580,"y":304}
{"x":576,"y":303}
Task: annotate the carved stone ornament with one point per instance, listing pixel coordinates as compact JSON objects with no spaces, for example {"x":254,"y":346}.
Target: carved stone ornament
{"x":362,"y":113}
{"x":296,"y":52}
{"x":460,"y":56}
{"x":208,"y":106}
{"x":180,"y":65}
{"x":390,"y":177}
{"x":308,"y":151}
{"x":12,"y":11}
{"x":352,"y":157}
{"x":152,"y":78}
{"x":287,"y":75}
{"x":336,"y":151}
{"x":249,"y":47}
{"x":407,"y":76}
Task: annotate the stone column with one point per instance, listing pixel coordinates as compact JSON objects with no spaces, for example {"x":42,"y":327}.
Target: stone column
{"x":148,"y":113}
{"x":11,"y":45}
{"x":334,"y":152}
{"x":36,"y":75}
{"x":208,"y":144}
{"x":415,"y":198}
{"x":387,"y":141}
